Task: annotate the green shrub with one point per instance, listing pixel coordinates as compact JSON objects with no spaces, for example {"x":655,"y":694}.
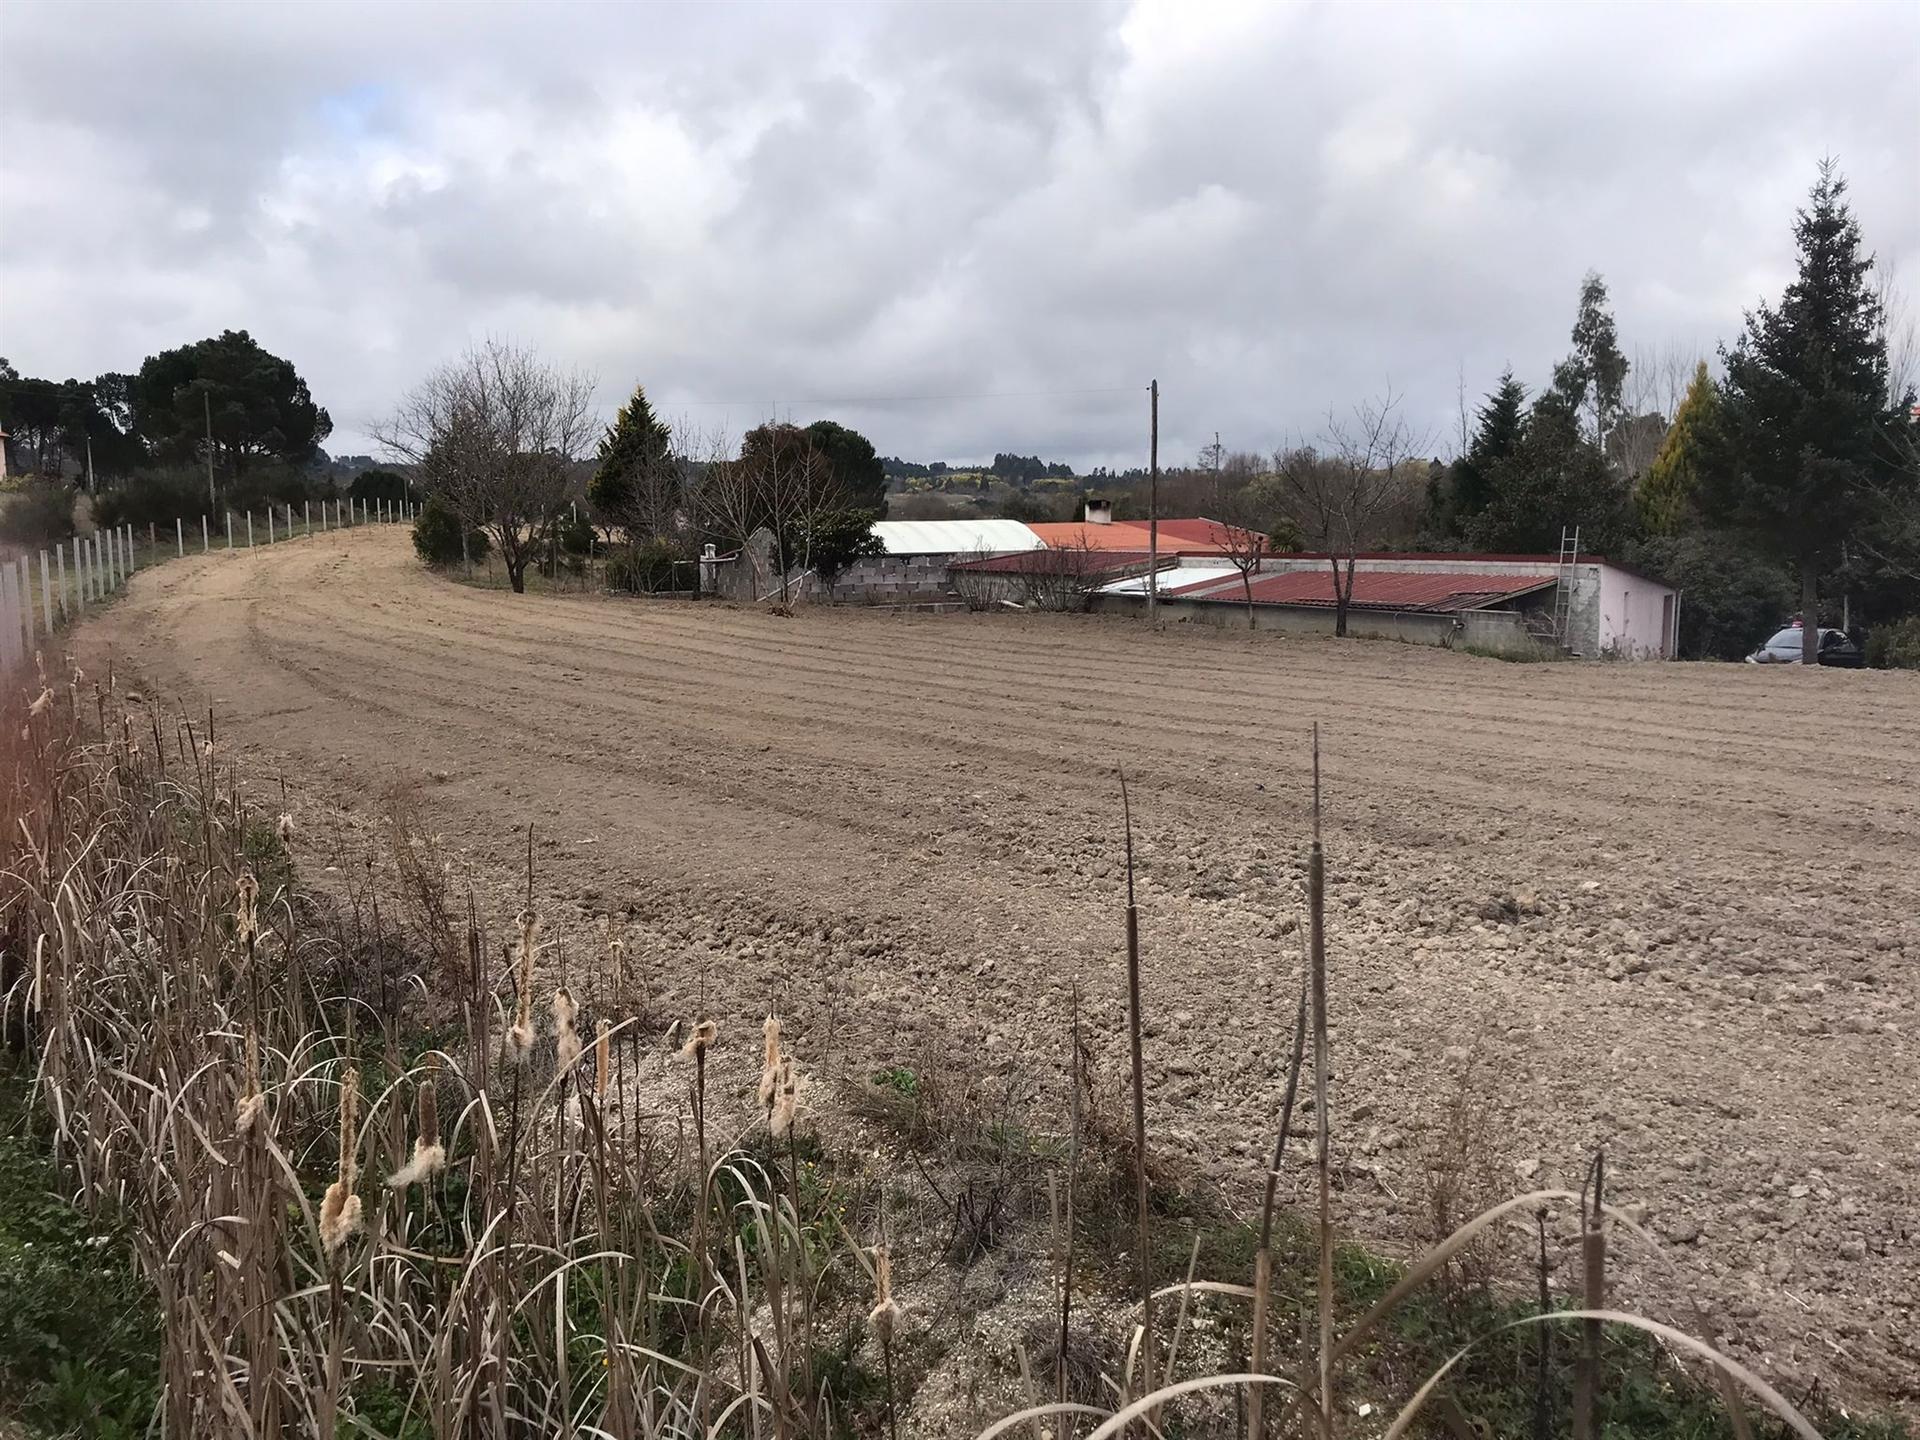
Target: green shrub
{"x":649,"y":567}
{"x":436,"y":535}
{"x":1895,"y":647}
{"x":1732,"y":598}
{"x":376,"y":486}
{"x":158,"y":499}
{"x":575,"y":533}
{"x":39,"y":513}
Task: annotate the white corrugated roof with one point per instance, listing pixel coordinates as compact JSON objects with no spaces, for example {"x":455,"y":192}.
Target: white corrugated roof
{"x":1185,"y":577}
{"x":955,"y":537}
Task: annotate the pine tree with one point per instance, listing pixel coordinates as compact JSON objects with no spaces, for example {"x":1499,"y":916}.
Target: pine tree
{"x":1693,"y":445}
{"x":1502,"y":423}
{"x":1556,"y":477}
{"x":633,"y":454}
{"x":1806,"y":404}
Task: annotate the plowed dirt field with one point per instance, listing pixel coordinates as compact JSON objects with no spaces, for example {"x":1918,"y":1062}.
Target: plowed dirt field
{"x":1671,"y":909}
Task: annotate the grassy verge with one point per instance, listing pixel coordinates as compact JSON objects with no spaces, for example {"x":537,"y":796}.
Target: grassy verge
{"x":79,"y":1328}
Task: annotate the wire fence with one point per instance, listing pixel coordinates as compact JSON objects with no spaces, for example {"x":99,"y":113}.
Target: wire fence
{"x":41,"y":594}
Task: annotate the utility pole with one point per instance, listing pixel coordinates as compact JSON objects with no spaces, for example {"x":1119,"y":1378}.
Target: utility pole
{"x":1153,"y":507}
{"x":206,"y":404}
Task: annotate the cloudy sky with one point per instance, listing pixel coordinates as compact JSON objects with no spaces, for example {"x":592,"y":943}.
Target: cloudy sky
{"x":961,"y":228}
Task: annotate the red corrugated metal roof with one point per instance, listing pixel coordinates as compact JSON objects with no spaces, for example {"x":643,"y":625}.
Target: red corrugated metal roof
{"x":1390,"y":590}
{"x":1441,"y":557}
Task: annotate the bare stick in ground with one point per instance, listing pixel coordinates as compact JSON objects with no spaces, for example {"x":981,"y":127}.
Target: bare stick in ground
{"x":1593,"y":1273}
{"x":1317,"y":970}
{"x":1139,"y":1101}
{"x":1263,"y":1258}
{"x":1073,"y":1170}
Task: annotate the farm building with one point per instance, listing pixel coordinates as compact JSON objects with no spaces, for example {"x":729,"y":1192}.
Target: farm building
{"x":1592,"y":606}
{"x":918,"y":555}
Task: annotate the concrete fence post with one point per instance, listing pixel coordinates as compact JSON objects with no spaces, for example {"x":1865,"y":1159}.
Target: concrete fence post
{"x":79,"y":580}
{"x":46,"y":592}
{"x":60,"y":569}
{"x":9,"y":621}
{"x":249,"y":529}
{"x":289,"y":519}
{"x":269,"y":524}
{"x":229,"y":529}
{"x":306,"y":513}
{"x":10,"y":653}
{"x":133,"y":547}
{"x":206,"y":545}
{"x":180,"y":538}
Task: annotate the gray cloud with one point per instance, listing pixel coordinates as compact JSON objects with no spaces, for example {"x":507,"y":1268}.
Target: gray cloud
{"x":1274,"y":210}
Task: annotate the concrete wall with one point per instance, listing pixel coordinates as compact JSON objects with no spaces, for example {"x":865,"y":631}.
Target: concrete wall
{"x":1499,"y":630}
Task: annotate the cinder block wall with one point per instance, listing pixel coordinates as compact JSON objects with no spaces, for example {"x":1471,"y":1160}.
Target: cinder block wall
{"x":893,"y":580}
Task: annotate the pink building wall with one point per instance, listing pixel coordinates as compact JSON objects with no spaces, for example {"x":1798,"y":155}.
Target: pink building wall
{"x":1638,"y":619}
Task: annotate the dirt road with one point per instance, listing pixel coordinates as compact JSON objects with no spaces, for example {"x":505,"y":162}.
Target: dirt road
{"x":1671,"y":909}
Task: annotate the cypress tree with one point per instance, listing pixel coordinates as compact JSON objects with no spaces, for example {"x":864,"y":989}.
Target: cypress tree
{"x":1693,"y":445}
{"x":1806,"y":404}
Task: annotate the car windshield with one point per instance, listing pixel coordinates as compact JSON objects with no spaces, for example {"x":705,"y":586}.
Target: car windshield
{"x":1785,"y":640}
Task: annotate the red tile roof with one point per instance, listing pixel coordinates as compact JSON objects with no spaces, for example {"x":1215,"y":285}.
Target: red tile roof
{"x":1389,"y":590}
{"x":1177,"y":537}
{"x":1190,"y":537}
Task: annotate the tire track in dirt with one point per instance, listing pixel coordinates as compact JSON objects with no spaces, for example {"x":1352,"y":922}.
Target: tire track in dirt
{"x":904,"y":826}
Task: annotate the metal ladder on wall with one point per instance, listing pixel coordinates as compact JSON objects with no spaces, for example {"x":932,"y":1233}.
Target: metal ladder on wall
{"x":1563,"y":589}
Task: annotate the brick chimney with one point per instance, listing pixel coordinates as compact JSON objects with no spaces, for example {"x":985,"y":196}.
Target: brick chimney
{"x":1099,"y":512}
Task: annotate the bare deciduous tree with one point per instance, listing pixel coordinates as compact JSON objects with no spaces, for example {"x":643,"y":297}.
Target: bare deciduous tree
{"x":1061,"y":577}
{"x":1243,"y":518}
{"x":1343,"y":497}
{"x":497,"y":434}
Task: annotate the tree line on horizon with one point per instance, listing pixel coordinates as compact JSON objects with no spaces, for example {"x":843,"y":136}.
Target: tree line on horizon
{"x":1788,"y":481}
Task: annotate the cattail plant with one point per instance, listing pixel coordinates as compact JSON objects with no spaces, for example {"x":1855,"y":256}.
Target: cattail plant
{"x":566,"y":1039}
{"x":429,"y":1156}
{"x":340,"y":1207}
{"x":519,"y":1038}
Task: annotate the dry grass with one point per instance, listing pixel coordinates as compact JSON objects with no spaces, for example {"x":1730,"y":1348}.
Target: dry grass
{"x":493,"y":1233}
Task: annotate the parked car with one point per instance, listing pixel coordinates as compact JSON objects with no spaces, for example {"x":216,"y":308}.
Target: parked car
{"x":1787,"y":648}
